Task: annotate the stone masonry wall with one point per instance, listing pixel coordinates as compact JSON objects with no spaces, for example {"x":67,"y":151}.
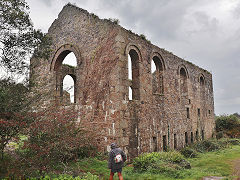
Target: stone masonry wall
{"x":170,"y":108}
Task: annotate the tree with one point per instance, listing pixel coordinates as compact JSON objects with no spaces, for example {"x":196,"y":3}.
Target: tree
{"x":18,"y":38}
{"x":229,"y":125}
{"x":18,"y":41}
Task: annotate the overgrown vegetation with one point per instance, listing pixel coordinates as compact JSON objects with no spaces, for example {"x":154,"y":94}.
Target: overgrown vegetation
{"x":206,"y":158}
{"x":144,"y":38}
{"x":114,"y":20}
{"x":208,"y":145}
{"x":228,"y":126}
{"x":13,"y":112}
{"x":52,"y":141}
{"x":161,"y":163}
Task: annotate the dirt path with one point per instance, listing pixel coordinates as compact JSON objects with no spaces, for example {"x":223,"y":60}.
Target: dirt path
{"x":236,"y":171}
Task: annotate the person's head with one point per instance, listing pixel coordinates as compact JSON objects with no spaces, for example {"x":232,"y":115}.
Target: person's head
{"x":113,"y":145}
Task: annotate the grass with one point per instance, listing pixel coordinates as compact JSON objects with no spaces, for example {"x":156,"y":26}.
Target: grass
{"x":216,"y":163}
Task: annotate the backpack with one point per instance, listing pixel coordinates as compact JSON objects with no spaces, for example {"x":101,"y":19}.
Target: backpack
{"x":118,"y":157}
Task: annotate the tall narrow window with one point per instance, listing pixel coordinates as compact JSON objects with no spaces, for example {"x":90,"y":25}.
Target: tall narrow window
{"x":197,"y":135}
{"x":133,"y":74}
{"x":164,"y":143}
{"x":130,"y":93}
{"x":68,"y":89}
{"x":186,"y":138}
{"x":201,"y":81}
{"x":202,"y":89}
{"x":191,"y":137}
{"x":155,"y":144}
{"x":157,"y":74}
{"x":175,"y":141}
{"x":188,"y":113}
{"x":183,"y":81}
{"x":129,"y":67}
{"x":202,"y":134}
{"x":198,"y":112}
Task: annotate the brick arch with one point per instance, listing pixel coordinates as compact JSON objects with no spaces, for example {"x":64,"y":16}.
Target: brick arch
{"x":183,"y":77}
{"x":158,"y":75}
{"x":134,"y":47}
{"x":159,"y":56}
{"x":184,"y":67}
{"x":61,"y":53}
{"x":201,"y":79}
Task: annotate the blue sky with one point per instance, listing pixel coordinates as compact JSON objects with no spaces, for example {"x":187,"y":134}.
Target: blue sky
{"x":204,"y":32}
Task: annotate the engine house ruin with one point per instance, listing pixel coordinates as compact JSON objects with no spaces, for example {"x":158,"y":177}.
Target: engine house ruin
{"x":141,"y":96}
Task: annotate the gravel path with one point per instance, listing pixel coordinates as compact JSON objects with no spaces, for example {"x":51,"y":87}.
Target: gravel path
{"x":236,"y":165}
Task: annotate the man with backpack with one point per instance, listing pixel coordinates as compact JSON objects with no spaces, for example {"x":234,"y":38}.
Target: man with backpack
{"x":116,"y":160}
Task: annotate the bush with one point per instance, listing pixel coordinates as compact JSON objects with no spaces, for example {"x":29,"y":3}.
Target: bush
{"x":55,"y":139}
{"x":189,"y":152}
{"x":207,"y":145}
{"x":234,"y":141}
{"x":210,"y":145}
{"x":219,"y":135}
{"x":228,"y":125}
{"x":160,"y":162}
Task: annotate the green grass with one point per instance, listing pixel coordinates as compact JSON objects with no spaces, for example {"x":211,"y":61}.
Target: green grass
{"x":216,"y":163}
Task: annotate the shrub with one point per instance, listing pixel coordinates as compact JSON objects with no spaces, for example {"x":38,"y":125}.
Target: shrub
{"x":55,"y":139}
{"x":219,"y":135}
{"x":228,"y":125}
{"x":157,"y":162}
{"x":189,"y":152}
{"x":207,"y":145}
{"x":234,"y":141}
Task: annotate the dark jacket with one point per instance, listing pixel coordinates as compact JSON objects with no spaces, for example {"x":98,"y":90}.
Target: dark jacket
{"x":112,"y":154}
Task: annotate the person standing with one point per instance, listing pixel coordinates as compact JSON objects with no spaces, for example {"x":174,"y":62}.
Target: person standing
{"x":116,"y":161}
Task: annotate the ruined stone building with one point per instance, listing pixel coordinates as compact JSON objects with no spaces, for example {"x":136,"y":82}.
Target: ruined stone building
{"x":115,"y":87}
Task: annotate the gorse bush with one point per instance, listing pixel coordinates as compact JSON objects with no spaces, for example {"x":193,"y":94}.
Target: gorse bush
{"x":161,"y":162}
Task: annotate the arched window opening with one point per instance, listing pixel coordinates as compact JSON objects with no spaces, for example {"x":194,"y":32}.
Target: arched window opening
{"x":157,"y":74}
{"x":183,"y":81}
{"x":201,"y":81}
{"x":70,"y":60}
{"x":133,"y":74}
{"x":68,"y":89}
{"x":202,"y":89}
{"x":65,"y":68}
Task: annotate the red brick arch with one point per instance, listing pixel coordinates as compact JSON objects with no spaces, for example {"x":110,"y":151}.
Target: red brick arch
{"x":61,"y":53}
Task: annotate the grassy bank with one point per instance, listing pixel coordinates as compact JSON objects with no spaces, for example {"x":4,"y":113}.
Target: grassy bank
{"x":216,"y":163}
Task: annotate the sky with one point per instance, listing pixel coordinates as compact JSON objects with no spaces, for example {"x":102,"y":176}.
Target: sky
{"x":204,"y":32}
